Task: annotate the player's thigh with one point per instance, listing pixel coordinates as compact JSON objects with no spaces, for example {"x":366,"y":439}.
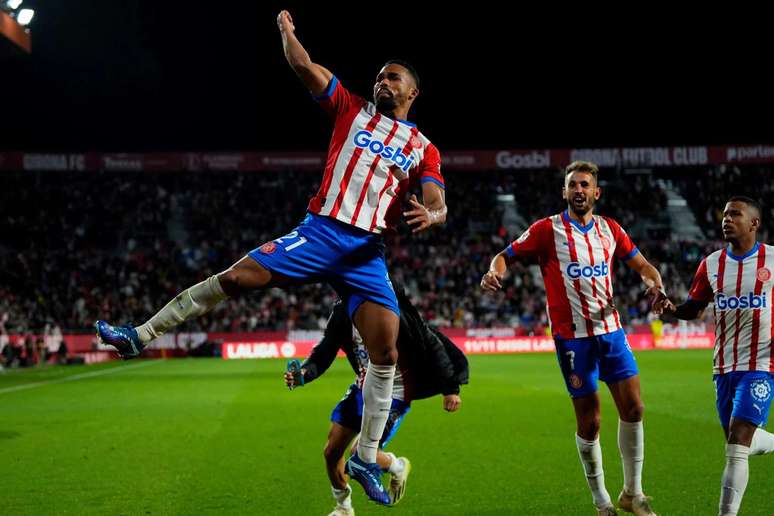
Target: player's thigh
{"x":305,"y":255}
{"x":578,"y":363}
{"x":752,"y":398}
{"x":741,"y":432}
{"x":617,"y":362}
{"x":362,"y":276}
{"x":725,"y":390}
{"x":378,"y":325}
{"x":626,"y":394}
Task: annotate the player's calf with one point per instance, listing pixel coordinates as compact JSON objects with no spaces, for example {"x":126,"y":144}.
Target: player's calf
{"x":192,"y":302}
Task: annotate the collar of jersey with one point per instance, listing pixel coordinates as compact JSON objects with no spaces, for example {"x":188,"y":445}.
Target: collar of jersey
{"x":399,"y":120}
{"x":406,"y":122}
{"x":584,"y":229}
{"x":745,"y":255}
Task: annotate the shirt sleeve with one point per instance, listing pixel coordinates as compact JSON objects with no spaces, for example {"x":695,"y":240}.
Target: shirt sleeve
{"x":624,"y":247}
{"x":337,"y":100}
{"x":430,"y":167}
{"x":701,"y":290}
{"x":534,"y":242}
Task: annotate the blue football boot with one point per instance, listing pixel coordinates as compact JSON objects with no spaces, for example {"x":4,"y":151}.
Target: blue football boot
{"x":370,"y":477}
{"x":123,"y":338}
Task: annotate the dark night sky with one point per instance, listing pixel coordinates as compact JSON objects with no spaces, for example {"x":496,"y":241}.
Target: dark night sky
{"x":149,"y":75}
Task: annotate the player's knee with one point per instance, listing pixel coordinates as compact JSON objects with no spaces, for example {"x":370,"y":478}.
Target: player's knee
{"x":238,"y":280}
{"x":634,"y":412}
{"x":229,"y":282}
{"x":589,"y":427}
{"x":383,"y":356}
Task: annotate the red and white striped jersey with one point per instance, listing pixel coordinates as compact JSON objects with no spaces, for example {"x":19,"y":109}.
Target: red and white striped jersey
{"x":371,"y":160}
{"x":577,"y":267}
{"x":741,"y":288}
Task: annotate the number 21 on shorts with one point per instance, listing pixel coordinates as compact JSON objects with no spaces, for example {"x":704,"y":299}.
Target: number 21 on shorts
{"x":291,"y":236}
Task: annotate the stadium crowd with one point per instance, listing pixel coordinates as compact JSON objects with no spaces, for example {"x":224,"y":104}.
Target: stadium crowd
{"x":80,"y":246}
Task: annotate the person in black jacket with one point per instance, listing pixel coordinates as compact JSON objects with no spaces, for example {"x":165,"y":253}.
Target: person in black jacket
{"x":428,"y":364}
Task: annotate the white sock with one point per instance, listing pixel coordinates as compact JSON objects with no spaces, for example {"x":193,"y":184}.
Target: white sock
{"x":194,"y":302}
{"x":343,"y":496}
{"x":734,"y":480}
{"x":377,"y":399}
{"x":396,"y":465}
{"x":762,"y":442}
{"x":631,"y":444}
{"x":590,"y":453}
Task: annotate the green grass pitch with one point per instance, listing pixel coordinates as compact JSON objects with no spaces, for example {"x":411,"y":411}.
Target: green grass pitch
{"x":207,"y":436}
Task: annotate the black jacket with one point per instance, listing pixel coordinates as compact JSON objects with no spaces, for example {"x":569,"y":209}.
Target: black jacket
{"x":431,"y":364}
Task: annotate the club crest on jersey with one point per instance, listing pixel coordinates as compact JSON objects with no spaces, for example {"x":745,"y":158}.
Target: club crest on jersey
{"x":763,"y":274}
{"x":575,"y":381}
{"x":760,"y":390}
{"x":605,"y":241}
{"x":415,"y":142}
{"x":268,"y":248}
{"x":575,"y":270}
{"x":724,"y":302}
{"x":365,"y":140}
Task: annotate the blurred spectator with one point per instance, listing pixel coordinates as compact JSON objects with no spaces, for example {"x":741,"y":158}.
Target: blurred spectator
{"x":61,"y":353}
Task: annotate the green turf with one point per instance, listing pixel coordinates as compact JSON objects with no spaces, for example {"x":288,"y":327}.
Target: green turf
{"x":206,"y":436}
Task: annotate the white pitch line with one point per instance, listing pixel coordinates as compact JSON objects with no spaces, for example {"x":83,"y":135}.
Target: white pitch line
{"x":77,"y":377}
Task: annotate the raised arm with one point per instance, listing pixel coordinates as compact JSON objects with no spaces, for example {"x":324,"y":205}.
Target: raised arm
{"x":314,"y":76}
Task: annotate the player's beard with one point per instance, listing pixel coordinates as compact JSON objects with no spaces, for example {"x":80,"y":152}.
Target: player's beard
{"x":386,"y":104}
{"x":730,"y":238}
{"x":583,"y":209}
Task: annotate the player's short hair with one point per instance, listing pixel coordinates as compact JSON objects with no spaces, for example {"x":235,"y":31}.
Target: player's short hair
{"x":407,"y":66}
{"x":752,"y":203}
{"x":582,"y":166}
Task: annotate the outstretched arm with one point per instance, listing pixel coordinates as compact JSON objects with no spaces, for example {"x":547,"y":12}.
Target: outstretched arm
{"x":324,"y":353}
{"x":652,"y":279}
{"x":688,"y":311}
{"x":314,"y":76}
{"x":492,"y":280}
